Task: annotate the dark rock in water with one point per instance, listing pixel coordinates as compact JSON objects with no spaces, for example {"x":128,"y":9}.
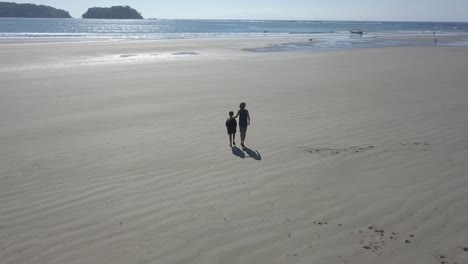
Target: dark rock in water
{"x":185,"y":53}
{"x":114,"y":12}
{"x":31,"y":11}
{"x":407,"y":241}
{"x":465,"y":249}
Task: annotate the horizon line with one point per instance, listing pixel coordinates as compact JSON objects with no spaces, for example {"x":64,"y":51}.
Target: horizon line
{"x":258,"y":19}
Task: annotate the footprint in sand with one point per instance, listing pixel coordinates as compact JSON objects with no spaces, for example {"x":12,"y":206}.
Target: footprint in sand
{"x":423,"y":145}
{"x":377,"y":239}
{"x":327,"y":152}
{"x":444,"y":259}
{"x":320,"y":223}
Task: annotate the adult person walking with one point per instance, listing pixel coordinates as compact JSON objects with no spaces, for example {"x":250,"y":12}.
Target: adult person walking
{"x":244,"y":121}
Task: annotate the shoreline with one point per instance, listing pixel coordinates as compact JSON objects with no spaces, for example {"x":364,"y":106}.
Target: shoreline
{"x":37,"y":55}
{"x":276,"y":43}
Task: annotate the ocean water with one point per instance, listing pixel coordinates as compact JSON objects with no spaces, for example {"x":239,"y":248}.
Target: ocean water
{"x":157,"y":29}
{"x":330,"y":34}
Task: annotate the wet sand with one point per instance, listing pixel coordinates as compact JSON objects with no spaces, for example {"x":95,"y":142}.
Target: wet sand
{"x":354,"y":156}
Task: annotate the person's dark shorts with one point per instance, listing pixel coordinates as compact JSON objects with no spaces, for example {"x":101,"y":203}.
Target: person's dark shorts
{"x":243,"y":129}
{"x":231,"y":131}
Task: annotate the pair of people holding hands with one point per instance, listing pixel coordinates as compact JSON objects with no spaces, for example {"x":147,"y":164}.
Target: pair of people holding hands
{"x":231,"y":125}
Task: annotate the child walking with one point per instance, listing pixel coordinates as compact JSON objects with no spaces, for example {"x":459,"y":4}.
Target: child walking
{"x":231,"y":125}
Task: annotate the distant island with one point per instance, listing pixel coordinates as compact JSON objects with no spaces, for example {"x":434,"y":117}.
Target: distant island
{"x":114,"y":12}
{"x":8,"y":9}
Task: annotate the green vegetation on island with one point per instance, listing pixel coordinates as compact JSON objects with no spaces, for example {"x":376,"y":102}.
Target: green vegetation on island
{"x":8,"y":9}
{"x":114,"y":12}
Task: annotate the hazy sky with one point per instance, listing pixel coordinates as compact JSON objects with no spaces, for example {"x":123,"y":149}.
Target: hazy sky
{"x":400,"y":10}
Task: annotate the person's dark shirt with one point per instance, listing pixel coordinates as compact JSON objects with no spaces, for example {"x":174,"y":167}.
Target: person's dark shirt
{"x":231,"y":125}
{"x":243,"y":117}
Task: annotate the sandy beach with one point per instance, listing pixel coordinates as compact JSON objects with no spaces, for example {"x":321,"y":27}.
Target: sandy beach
{"x":116,"y":152}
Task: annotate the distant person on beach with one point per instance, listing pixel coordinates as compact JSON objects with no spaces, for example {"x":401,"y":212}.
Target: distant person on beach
{"x":231,"y":125}
{"x":244,"y":121}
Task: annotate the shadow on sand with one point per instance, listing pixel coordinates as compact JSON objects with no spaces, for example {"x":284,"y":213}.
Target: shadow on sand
{"x":253,"y":154}
{"x":238,"y":152}
{"x":250,"y":153}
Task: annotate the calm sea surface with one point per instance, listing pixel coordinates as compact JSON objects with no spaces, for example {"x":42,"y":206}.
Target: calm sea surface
{"x":326,"y":35}
{"x":171,"y":29}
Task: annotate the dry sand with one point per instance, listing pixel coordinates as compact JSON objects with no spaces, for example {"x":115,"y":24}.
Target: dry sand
{"x":355,"y":156}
